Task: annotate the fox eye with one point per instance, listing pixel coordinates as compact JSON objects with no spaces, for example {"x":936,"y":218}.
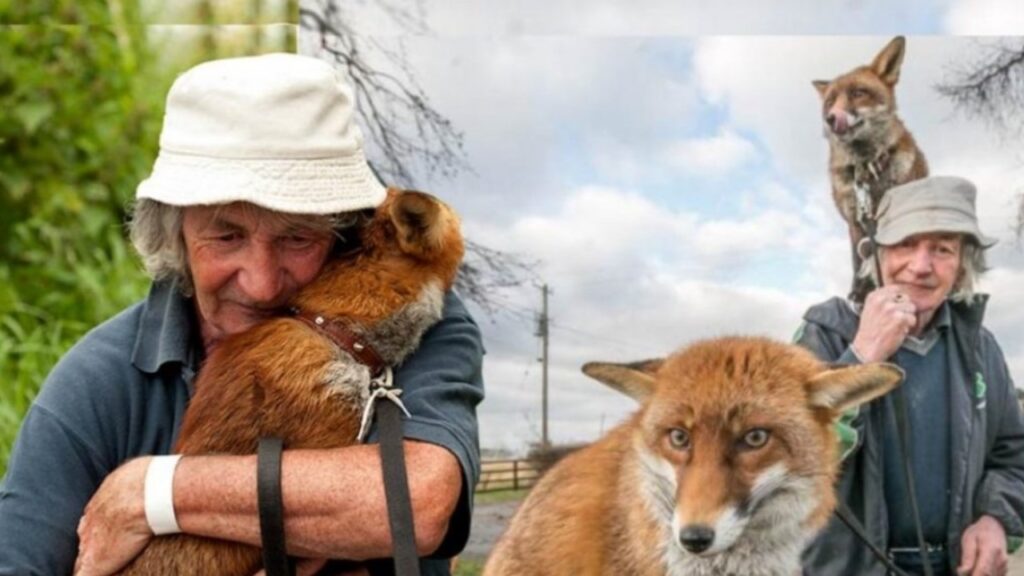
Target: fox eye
{"x":679,"y":438}
{"x":756,"y":438}
{"x":858,"y":92}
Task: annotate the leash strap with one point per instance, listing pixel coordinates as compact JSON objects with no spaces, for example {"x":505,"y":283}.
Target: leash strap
{"x":271,"y":508}
{"x":904,"y":434}
{"x":857,"y":528}
{"x":869,"y":225}
{"x":396,"y":490}
{"x":392,"y":454}
{"x":381,"y":388}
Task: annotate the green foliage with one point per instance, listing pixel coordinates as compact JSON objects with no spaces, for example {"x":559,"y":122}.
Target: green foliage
{"x":469,"y":567}
{"x":80,"y":111}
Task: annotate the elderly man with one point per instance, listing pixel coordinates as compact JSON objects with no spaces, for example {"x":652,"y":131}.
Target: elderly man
{"x":965,"y":425}
{"x":260,"y":179}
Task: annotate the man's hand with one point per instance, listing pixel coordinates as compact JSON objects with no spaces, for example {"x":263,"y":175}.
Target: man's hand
{"x":113,"y":530}
{"x":886,"y":320}
{"x":984,"y":549}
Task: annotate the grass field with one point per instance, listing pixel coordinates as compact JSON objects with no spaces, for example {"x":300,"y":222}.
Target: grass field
{"x":469,"y":567}
{"x":499,"y":496}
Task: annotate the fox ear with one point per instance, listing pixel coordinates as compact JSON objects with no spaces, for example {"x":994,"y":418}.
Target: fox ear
{"x":420,"y":222}
{"x":821,"y":86}
{"x":887,"y":63}
{"x":635,"y":379}
{"x":843,"y":387}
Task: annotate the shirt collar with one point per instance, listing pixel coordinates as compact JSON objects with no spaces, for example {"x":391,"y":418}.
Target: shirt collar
{"x":166,"y":329}
{"x":939,"y":324}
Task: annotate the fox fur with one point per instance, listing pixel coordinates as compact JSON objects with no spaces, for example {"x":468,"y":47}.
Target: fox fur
{"x":727,"y":469}
{"x":282,"y":378}
{"x":868,"y":143}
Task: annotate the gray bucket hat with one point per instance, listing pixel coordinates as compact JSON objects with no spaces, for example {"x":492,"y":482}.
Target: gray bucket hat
{"x":935,"y":204}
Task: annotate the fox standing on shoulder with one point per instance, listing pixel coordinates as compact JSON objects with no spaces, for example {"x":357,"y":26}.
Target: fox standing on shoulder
{"x":869,"y":145}
{"x":727,"y":469}
{"x":286,"y":378}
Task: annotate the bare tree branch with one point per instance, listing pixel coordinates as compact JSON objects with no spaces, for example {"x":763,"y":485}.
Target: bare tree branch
{"x":991,"y":87}
{"x":486,"y":270}
{"x":408,"y":136}
{"x":400,"y":121}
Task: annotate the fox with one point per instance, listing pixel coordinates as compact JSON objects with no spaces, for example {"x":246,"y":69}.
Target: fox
{"x":869,"y":146}
{"x":726,"y":469}
{"x":285,"y":378}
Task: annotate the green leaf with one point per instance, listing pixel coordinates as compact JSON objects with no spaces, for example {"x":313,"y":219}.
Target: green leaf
{"x":33,"y":114}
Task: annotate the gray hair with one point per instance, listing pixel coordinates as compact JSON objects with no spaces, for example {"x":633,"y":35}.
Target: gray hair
{"x":972,"y":266}
{"x":155,"y":230}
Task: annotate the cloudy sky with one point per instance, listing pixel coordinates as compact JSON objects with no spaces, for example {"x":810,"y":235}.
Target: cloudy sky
{"x":672,"y":184}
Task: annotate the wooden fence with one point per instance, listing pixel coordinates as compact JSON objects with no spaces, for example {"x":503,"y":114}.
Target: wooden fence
{"x":506,"y":475}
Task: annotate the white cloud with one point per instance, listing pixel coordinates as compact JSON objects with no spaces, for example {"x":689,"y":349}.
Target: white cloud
{"x":767,"y":231}
{"x":645,"y":278}
{"x":714,"y":156}
{"x":569,"y":139}
{"x":631,"y":279}
{"x":985,"y":17}
{"x":657,"y":17}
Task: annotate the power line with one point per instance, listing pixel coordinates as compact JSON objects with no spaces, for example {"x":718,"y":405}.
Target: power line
{"x":624,"y":343}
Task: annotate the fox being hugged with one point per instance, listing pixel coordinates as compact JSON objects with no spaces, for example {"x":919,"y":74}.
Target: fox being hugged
{"x":287,"y":378}
{"x":869,"y":147}
{"x":727,"y":469}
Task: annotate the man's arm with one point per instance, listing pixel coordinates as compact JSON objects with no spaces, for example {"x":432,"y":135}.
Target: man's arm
{"x":70,"y":439}
{"x":1000,"y":493}
{"x":326,"y":494}
{"x":333,"y":499}
{"x":50,"y":476}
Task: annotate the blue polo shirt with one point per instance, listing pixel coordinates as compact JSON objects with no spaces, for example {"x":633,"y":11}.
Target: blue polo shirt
{"x":122,"y":391}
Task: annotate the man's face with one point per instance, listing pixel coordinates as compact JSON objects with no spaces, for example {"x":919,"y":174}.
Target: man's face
{"x":245,"y":263}
{"x":926,"y":266}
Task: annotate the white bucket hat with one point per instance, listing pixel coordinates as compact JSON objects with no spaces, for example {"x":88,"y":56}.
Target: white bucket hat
{"x":934,"y":204}
{"x":275,"y":130}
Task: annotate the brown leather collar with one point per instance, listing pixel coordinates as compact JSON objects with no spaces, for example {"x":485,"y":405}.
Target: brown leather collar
{"x":345,"y":338}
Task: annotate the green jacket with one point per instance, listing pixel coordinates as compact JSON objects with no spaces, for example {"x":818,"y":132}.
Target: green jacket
{"x":987,"y":452}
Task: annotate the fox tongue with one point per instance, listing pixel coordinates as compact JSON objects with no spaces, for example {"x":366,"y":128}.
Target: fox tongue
{"x":840,"y":124}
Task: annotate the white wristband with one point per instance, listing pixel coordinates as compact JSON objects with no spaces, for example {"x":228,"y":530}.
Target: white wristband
{"x":159,"y":495}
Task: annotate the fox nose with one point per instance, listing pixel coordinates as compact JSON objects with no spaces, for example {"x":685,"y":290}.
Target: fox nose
{"x":696,"y":538}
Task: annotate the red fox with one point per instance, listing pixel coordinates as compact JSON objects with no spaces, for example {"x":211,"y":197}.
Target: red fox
{"x":727,"y":469}
{"x":869,"y":145}
{"x":284,"y":378}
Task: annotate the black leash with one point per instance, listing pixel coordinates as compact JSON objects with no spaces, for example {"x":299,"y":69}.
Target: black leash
{"x":396,"y":491}
{"x":384,"y":403}
{"x":268,"y":495}
{"x":869,"y":226}
{"x":901,"y":416}
{"x":844,"y":514}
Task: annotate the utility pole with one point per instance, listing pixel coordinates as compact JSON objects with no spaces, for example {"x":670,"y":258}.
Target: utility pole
{"x":542,"y":331}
